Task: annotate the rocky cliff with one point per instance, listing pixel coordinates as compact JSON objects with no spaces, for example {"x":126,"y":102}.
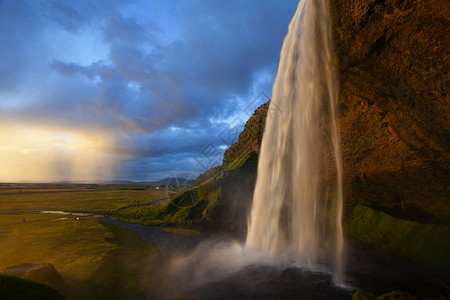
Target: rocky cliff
{"x":394,"y":71}
{"x":393,"y":61}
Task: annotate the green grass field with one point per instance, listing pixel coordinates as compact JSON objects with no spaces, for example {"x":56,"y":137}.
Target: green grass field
{"x":97,"y":260}
{"x":183,"y":231}
{"x":67,"y":198}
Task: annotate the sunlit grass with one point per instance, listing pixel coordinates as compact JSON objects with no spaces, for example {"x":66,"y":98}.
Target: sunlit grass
{"x":21,"y":201}
{"x":74,"y":246}
{"x":97,"y":260}
{"x":85,"y":251}
{"x":125,"y":271}
{"x":182,"y":231}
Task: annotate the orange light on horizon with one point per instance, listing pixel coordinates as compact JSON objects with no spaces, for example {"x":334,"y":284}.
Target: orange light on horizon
{"x":49,"y":154}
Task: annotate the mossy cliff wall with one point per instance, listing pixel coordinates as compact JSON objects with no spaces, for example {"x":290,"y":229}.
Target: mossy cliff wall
{"x":424,"y":243}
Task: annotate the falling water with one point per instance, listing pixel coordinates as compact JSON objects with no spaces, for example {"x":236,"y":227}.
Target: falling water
{"x":297,"y":208}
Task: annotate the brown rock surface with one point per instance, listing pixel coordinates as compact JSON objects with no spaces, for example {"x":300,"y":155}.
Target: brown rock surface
{"x":393,"y":60}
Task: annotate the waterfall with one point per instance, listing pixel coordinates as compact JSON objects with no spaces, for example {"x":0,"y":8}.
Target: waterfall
{"x":297,"y":206}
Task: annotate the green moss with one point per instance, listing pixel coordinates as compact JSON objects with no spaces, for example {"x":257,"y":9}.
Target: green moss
{"x":427,"y":244}
{"x":179,"y":217}
{"x":239,"y":161}
{"x":142,"y":214}
{"x":182,"y":231}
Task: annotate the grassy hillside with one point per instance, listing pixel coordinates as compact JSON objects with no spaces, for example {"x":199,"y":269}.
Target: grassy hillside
{"x":96,"y":260}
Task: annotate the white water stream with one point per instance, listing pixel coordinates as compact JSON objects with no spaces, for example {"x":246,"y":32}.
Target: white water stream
{"x":296,"y":211}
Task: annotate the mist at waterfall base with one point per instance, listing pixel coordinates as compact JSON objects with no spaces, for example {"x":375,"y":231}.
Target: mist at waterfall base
{"x":295,"y":241}
{"x":222,"y":269}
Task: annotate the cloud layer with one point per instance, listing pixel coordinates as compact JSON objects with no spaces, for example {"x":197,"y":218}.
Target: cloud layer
{"x":159,"y":81}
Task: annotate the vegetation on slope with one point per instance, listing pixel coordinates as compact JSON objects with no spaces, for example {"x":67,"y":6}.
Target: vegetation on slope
{"x":428,"y":244}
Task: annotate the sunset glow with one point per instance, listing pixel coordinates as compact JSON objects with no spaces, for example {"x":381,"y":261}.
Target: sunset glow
{"x":50,"y":154}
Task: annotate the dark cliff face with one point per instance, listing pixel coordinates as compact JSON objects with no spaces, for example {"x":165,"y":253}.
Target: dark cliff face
{"x":393,"y":63}
{"x":249,"y":142}
{"x":235,"y":179}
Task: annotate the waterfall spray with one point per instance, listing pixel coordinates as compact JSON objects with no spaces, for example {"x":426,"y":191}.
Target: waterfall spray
{"x":292,"y":213}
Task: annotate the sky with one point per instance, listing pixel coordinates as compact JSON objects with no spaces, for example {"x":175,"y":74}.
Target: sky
{"x":131,"y":90}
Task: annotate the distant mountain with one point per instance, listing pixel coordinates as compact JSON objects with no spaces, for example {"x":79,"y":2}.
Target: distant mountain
{"x":174,"y":181}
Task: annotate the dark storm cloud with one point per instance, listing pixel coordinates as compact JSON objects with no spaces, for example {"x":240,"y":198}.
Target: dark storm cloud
{"x":172,"y":141}
{"x":71,"y":70}
{"x":71,"y":18}
{"x":181,"y":64}
{"x":223,"y":46}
